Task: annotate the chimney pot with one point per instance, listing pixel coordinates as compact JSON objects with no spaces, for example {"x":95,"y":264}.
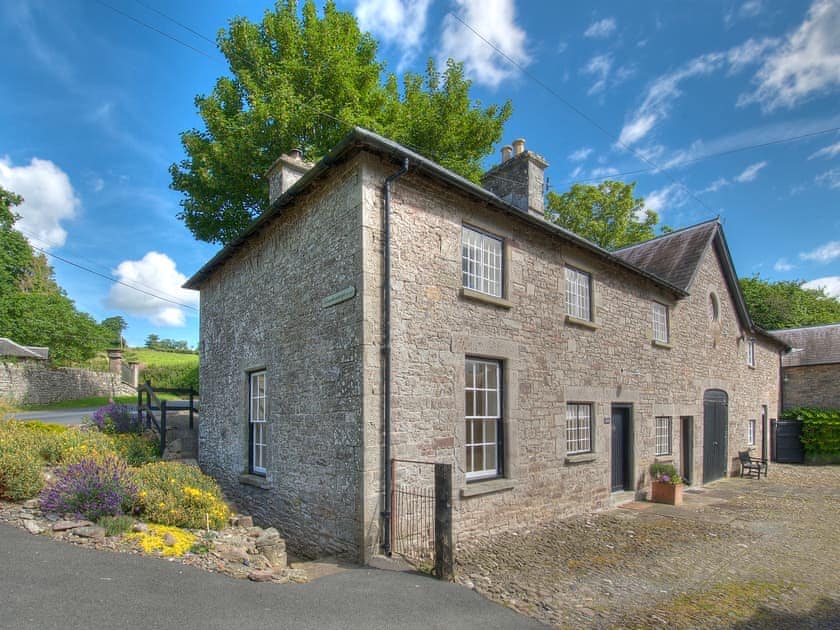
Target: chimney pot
{"x":518,"y":146}
{"x":506,"y":151}
{"x":295,"y":154}
{"x":285,"y":171}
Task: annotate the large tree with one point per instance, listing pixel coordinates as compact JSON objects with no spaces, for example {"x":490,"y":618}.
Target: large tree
{"x":296,"y":80}
{"x":787,"y":304}
{"x":607,"y":214}
{"x":34,"y":310}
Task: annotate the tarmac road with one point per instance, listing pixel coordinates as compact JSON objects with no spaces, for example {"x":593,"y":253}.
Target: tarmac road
{"x":68,"y":417}
{"x":48,"y":585}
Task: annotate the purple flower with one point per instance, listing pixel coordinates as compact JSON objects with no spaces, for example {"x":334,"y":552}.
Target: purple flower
{"x":90,"y":490}
{"x":116,"y":418}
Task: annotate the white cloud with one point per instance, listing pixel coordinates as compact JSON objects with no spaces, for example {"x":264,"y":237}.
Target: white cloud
{"x":562,"y":47}
{"x":157,"y":271}
{"x":830,"y":284}
{"x":826,"y":152}
{"x":830,"y":179}
{"x":823,"y":254}
{"x":716,"y":185}
{"x":601,"y":28}
{"x":599,"y":66}
{"x":672,"y":196}
{"x":751,"y":172}
{"x":395,"y":22}
{"x":666,"y":89}
{"x":749,"y":9}
{"x":606,"y":171}
{"x":806,"y":65}
{"x":574,"y":174}
{"x":580,"y":155}
{"x":495,"y":21}
{"x":783,"y":265}
{"x":48,"y":199}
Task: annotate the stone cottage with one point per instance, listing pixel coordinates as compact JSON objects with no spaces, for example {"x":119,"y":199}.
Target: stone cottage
{"x":384,"y":307}
{"x":811,"y":370}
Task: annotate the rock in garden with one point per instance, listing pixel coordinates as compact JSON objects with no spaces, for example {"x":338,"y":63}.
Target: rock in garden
{"x":169,"y":539}
{"x":246,"y":521}
{"x":32,"y":527}
{"x":275,"y":553}
{"x":140,"y":528}
{"x":32,"y":504}
{"x":60,"y":526}
{"x":268,"y":537}
{"x":90,"y":531}
{"x":261,"y":576}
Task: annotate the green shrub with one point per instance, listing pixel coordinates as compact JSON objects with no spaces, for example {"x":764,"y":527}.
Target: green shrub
{"x":181,"y":495}
{"x":178,"y":376}
{"x":74,"y":445}
{"x":820,"y":430}
{"x":136,"y":450}
{"x":116,"y":525}
{"x":20,"y":465}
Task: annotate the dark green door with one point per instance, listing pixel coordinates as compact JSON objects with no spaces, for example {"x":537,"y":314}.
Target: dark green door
{"x":621,"y":444}
{"x":715,"y":422}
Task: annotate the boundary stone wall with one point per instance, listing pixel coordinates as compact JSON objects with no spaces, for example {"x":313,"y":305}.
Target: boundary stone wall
{"x":37,"y":384}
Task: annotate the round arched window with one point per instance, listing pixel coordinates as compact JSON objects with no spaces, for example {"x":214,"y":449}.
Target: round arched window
{"x":714,"y":307}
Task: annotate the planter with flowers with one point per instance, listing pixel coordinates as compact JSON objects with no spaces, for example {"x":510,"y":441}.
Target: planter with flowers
{"x":666,"y":484}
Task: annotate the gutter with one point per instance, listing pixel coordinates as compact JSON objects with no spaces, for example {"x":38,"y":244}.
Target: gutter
{"x":386,"y":350}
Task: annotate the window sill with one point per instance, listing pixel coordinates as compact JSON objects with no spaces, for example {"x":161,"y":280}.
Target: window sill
{"x":581,"y":458}
{"x":583,"y":323}
{"x":664,"y":459}
{"x":478,"y":296}
{"x":254,"y":480}
{"x":478,"y":488}
{"x":752,"y":367}
{"x":661,"y":344}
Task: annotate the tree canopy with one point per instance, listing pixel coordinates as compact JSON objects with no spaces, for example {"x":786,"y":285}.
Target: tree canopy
{"x":787,"y":304}
{"x":297,"y":79}
{"x":34,"y":310}
{"x":607,"y":214}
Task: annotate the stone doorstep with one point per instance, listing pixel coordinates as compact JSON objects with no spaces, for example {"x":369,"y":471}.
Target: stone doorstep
{"x":322,"y":567}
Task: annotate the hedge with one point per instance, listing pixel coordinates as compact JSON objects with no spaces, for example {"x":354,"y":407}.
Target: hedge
{"x":820,"y":430}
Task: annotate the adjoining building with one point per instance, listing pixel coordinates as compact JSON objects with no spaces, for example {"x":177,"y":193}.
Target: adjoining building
{"x":384,"y":307}
{"x":811,"y":370}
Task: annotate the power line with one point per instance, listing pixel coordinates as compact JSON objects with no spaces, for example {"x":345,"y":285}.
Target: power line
{"x":174,"y":21}
{"x":577,"y":110}
{"x":88,"y":260}
{"x":111,"y":278}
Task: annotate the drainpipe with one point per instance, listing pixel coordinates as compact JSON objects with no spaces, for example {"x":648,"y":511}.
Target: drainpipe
{"x":386,"y":351}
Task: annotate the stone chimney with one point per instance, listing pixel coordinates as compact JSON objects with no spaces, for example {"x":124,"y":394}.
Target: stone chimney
{"x":519,"y":179}
{"x":285,"y":171}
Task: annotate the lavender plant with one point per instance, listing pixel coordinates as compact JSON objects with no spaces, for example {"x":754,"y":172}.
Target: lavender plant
{"x":116,"y":418}
{"x":90,"y":489}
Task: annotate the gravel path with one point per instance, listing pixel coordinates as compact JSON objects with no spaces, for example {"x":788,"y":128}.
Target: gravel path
{"x":740,"y":553}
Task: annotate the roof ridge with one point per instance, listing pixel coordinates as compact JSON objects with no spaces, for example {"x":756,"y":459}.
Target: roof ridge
{"x":811,"y":327}
{"x":668,"y":235}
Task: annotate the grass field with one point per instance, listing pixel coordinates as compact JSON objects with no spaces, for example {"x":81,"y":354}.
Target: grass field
{"x":156,"y":357}
{"x":93,"y":401}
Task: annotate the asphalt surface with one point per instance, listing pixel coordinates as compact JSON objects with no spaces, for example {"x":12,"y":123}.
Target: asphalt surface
{"x":67,"y":417}
{"x":46,"y":584}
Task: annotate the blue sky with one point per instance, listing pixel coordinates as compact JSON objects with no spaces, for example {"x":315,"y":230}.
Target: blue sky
{"x":93,"y":104}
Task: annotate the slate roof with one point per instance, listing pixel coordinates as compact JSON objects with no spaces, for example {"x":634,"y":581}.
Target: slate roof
{"x":9,"y":348}
{"x":813,"y":345}
{"x":674,"y":257}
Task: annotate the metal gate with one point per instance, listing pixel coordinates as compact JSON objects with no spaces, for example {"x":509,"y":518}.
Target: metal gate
{"x":421,"y":513}
{"x":787,"y":442}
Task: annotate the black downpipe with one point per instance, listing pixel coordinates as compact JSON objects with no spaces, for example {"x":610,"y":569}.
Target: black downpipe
{"x":386,"y":351}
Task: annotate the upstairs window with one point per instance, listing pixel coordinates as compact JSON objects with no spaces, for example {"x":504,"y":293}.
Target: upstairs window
{"x":578,"y":294}
{"x":751,"y":352}
{"x":660,"y":323}
{"x":481,"y":262}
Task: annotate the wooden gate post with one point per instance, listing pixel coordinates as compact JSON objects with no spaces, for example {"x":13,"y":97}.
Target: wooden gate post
{"x":444,"y":561}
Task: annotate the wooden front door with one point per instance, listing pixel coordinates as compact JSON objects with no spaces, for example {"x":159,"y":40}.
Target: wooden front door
{"x":715,"y":422}
{"x":620,"y":459}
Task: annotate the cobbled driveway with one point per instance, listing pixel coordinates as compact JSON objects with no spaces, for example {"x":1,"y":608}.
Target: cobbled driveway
{"x":740,"y":553}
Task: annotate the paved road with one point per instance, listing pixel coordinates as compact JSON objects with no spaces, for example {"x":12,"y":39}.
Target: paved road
{"x":69,"y":417}
{"x":50,"y":585}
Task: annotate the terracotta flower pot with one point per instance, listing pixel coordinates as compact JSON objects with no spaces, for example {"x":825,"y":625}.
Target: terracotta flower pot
{"x":667,"y":493}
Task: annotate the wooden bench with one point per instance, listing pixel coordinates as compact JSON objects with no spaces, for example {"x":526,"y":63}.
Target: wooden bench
{"x":752,"y":466}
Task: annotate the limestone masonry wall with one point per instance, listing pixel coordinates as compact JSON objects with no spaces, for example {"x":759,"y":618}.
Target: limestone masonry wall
{"x":29,"y":383}
{"x":264,"y":310}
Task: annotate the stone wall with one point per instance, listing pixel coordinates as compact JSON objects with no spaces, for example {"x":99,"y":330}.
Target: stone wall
{"x":268,"y":308}
{"x":812,"y":386}
{"x":546,"y":361}
{"x":29,"y":383}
